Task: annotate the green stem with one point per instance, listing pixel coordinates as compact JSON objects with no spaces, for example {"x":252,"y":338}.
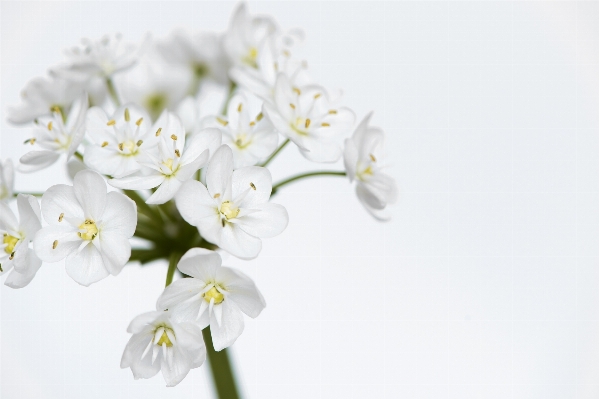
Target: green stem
{"x":172,"y":266}
{"x":22,"y":192}
{"x":78,"y":156}
{"x":303,"y":176}
{"x":222,"y":371}
{"x":112,"y":91}
{"x":274,"y":154}
{"x":232,"y":87}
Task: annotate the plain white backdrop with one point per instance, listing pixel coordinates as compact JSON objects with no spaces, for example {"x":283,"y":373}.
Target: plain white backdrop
{"x":484,"y":285}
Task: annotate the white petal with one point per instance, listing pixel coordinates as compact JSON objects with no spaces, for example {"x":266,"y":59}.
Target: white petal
{"x":60,"y":199}
{"x":350,"y":158}
{"x":138,"y":181}
{"x":37,"y":160}
{"x":206,"y":139}
{"x":230,"y":328}
{"x":108,"y":162}
{"x":178,"y":292}
{"x":90,"y":190}
{"x":8,"y":220}
{"x":116,"y":250}
{"x":120,"y":214}
{"x":141,"y":368}
{"x":66,"y":238}
{"x":29,"y":214}
{"x":175,"y":370}
{"x":21,"y":278}
{"x":367,"y":199}
{"x":141,"y":321}
{"x":166,"y":191}
{"x":239,"y":243}
{"x":200,"y":263}
{"x":255,"y":181}
{"x":218,"y":173}
{"x":242,"y":291}
{"x":195,"y":203}
{"x":321,"y":151}
{"x":270,"y":221}
{"x":86,"y":266}
{"x":189,"y":169}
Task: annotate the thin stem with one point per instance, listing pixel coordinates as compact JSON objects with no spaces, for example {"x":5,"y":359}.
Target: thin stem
{"x":303,"y":176}
{"x":172,"y":266}
{"x":274,"y":154}
{"x":112,"y":91}
{"x":220,"y":366}
{"x":78,"y":156}
{"x":232,"y":87}
{"x":26,"y":193}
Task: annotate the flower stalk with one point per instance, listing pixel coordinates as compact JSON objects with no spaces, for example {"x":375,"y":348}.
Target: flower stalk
{"x":221,"y":369}
{"x":280,"y":184}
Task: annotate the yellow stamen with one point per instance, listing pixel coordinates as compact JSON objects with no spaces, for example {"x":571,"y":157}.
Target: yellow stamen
{"x":164,"y":339}
{"x":121,"y":146}
{"x":239,"y":107}
{"x":316,"y":95}
{"x":11,"y":243}
{"x":139,"y":121}
{"x":216,"y":195}
{"x":229,"y":210}
{"x":222,"y":121}
{"x":174,"y":137}
{"x":324,"y":124}
{"x":139,"y":143}
{"x":297,"y":91}
{"x":259,"y":117}
{"x":104,"y":144}
{"x":54,"y":244}
{"x":307,"y":123}
{"x":158,"y":131}
{"x":213,"y":293}
{"x":253,"y":186}
{"x":333,"y":111}
{"x":292,"y":106}
{"x":111,"y":122}
{"x":127,"y":115}
{"x":372,"y":158}
{"x":50,"y":125}
{"x":177,"y":153}
{"x":91,"y":230}
{"x":252,"y":123}
{"x":60,"y":217}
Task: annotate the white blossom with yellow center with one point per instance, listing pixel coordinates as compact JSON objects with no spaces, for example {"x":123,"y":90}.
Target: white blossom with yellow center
{"x":52,"y":138}
{"x":16,"y":235}
{"x":216,"y":296}
{"x":232,"y":210}
{"x":88,"y":227}
{"x":174,"y":161}
{"x":250,"y":136}
{"x":362,"y":159}
{"x":163,"y":341}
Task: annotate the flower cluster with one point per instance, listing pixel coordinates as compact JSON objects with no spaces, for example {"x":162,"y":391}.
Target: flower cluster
{"x":155,"y":161}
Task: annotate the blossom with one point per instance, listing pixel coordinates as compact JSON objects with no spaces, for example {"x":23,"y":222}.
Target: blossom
{"x":55,"y":138}
{"x":7,"y":179}
{"x":101,"y":58}
{"x":215,"y":296}
{"x":15,"y":253}
{"x":116,"y":141}
{"x":173,"y":163}
{"x":305,"y":116}
{"x":88,"y":227}
{"x":233,"y":211}
{"x":362,"y":157}
{"x":248,"y":134}
{"x":162,"y":341}
{"x":245,"y":36}
{"x":202,"y":53}
{"x":42,"y":96}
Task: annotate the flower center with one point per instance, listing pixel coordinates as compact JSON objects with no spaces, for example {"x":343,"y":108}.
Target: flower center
{"x":229,"y":210}
{"x":128,"y":147}
{"x":301,"y":126}
{"x":250,"y":58}
{"x":242,"y":141}
{"x":215,"y":294}
{"x":11,"y":243}
{"x":168,"y":163}
{"x":88,"y":230}
{"x":164,"y":339}
{"x":200,"y":70}
{"x":155,"y":103}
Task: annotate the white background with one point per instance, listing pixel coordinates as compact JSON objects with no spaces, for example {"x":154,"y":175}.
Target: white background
{"x":485,"y":284}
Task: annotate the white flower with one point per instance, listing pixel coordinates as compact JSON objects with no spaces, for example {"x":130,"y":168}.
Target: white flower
{"x":173,"y":163}
{"x":233,"y":212}
{"x":41,"y":96}
{"x":161,"y":341}
{"x":215,"y":296}
{"x":154,"y":84}
{"x":116,"y":141}
{"x":362,"y":156}
{"x":202,"y":53}
{"x":101,"y":58}
{"x":15,"y":253}
{"x":247,"y":133}
{"x":7,"y":179}
{"x":88,"y":227}
{"x":188,"y":112}
{"x":245,"y":36}
{"x":305,"y":116}
{"x":55,"y":138}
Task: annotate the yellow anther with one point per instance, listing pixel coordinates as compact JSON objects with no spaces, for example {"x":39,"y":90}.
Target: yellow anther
{"x":372,"y":158}
{"x":252,"y":123}
{"x":139,"y":121}
{"x":307,"y":123}
{"x":229,"y":210}
{"x":158,"y":131}
{"x":168,"y":163}
{"x":121,"y":146}
{"x":324,"y":124}
{"x":111,"y":122}
{"x":317,"y":95}
{"x":104,"y":144}
{"x":11,"y":243}
{"x":333,"y":111}
{"x":216,"y":195}
{"x":297,"y":91}
{"x":127,"y":115}
{"x":12,"y":255}
{"x":292,"y":106}
{"x":54,"y":244}
{"x":222,"y":121}
{"x":139,"y":143}
{"x":60,"y":217}
{"x":253,"y":186}
{"x":177,"y":153}
{"x":174,"y":137}
{"x":259,"y":117}
{"x":215,"y":294}
{"x":30,"y":141}
{"x":164,"y":339}
{"x":276,"y":65}
{"x":50,"y":125}
{"x":90,"y":230}
{"x":239,"y":107}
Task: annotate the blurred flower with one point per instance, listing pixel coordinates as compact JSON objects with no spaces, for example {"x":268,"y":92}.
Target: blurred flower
{"x":202,"y":53}
{"x":88,"y":227}
{"x":173,"y":162}
{"x":233,"y":212}
{"x":215,"y":296}
{"x":15,"y":253}
{"x":55,"y":138}
{"x":42,"y":96}
{"x":161,"y":341}
{"x":306,"y":116}
{"x":7,"y":179}
{"x":362,"y":156}
{"x":248,"y":134}
{"x":116,"y":142}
